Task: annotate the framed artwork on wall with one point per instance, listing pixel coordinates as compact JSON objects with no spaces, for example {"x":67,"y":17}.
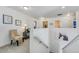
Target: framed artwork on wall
{"x":35,"y":24}
{"x":45,"y":24}
{"x":74,"y":24}
{"x":7,"y":19}
{"x":18,"y":22}
{"x":57,"y":24}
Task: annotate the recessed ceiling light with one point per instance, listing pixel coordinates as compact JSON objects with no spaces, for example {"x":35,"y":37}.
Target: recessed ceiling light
{"x":26,"y":8}
{"x":63,"y":7}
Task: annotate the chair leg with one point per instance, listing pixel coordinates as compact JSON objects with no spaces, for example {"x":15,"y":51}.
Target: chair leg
{"x":23,"y":40}
{"x":11,"y":42}
{"x":17,"y":43}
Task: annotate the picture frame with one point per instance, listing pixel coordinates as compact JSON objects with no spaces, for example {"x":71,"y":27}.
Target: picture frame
{"x":7,"y":19}
{"x":57,"y":24}
{"x":45,"y":24}
{"x":18,"y":22}
{"x":35,"y":24}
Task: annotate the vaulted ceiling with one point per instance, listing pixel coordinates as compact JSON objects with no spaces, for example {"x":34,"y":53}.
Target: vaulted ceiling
{"x":45,"y":11}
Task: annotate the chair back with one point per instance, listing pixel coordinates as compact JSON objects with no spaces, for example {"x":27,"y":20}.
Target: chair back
{"x":13,"y":33}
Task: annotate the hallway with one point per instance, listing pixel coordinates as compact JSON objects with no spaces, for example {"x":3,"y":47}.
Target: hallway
{"x":23,"y":48}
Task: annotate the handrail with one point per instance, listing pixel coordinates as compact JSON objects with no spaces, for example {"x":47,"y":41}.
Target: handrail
{"x":40,"y":41}
{"x":70,"y":41}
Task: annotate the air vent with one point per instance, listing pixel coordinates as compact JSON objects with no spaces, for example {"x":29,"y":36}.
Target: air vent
{"x":59,"y":14}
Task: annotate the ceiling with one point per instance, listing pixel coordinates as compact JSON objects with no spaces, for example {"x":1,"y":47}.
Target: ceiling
{"x":45,"y":11}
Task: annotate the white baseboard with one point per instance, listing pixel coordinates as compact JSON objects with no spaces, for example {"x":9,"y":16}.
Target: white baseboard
{"x":4,"y":44}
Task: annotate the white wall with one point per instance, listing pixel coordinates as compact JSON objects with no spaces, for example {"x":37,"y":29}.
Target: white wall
{"x":69,"y":17}
{"x":40,"y":22}
{"x":43,"y":35}
{"x":70,"y":32}
{"x":4,"y":28}
{"x":73,"y":47}
{"x":53,"y":41}
{"x":57,"y":45}
{"x":77,"y":18}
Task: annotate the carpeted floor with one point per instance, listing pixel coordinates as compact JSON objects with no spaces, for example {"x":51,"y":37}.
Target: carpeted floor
{"x":23,"y":48}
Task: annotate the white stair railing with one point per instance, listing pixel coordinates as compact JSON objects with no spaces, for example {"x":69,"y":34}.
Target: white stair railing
{"x":70,"y":42}
{"x":40,"y":41}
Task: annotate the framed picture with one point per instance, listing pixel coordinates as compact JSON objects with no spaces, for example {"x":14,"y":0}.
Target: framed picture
{"x":18,"y":22}
{"x":35,"y":24}
{"x":57,"y":23}
{"x":7,"y":19}
{"x":45,"y":24}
